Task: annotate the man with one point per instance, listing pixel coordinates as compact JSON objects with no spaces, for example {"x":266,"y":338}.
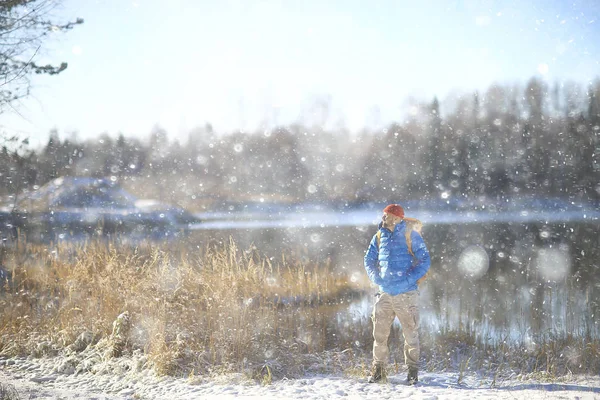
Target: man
{"x":395,"y":261}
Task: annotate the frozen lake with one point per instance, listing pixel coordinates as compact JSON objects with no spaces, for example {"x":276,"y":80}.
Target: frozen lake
{"x":544,"y":257}
{"x":311,"y":216}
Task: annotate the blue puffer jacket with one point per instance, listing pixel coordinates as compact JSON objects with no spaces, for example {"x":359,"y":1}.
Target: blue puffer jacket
{"x":391,"y":266}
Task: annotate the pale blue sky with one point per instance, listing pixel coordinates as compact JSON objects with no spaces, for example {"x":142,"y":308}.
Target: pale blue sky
{"x":238,"y":64}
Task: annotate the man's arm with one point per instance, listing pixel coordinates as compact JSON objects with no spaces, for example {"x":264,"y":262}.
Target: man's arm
{"x":371,"y":262}
{"x":421,"y":253}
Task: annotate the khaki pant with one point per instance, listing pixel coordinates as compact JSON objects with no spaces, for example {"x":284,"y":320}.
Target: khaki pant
{"x":404,"y":306}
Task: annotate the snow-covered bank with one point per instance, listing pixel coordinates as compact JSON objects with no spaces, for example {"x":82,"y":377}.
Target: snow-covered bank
{"x":39,"y":379}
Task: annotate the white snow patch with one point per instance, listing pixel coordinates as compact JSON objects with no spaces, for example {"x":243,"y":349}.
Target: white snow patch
{"x":35,"y":379}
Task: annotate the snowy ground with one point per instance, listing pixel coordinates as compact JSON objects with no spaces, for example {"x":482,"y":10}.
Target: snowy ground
{"x":39,"y":379}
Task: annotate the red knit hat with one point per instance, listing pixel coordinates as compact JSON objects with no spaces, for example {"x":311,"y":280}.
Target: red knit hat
{"x":395,"y":209}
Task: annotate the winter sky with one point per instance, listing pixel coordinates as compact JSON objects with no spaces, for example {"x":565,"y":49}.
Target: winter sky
{"x":249,"y":63}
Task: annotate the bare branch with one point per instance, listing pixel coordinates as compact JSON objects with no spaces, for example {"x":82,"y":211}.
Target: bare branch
{"x":24,"y":26}
{"x":22,"y":71}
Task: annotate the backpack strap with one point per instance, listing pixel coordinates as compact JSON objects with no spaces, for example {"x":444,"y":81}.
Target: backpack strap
{"x":413,"y":224}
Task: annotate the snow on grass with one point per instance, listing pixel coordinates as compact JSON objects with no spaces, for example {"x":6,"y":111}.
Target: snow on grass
{"x":38,"y":379}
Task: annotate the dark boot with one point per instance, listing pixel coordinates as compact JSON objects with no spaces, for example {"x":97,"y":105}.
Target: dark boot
{"x":377,"y":374}
{"x":413,"y":375}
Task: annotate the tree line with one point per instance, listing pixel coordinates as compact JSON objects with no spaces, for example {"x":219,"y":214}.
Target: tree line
{"x":538,"y":140}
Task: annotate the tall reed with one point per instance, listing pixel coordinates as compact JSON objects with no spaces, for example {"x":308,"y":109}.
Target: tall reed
{"x":219,"y":308}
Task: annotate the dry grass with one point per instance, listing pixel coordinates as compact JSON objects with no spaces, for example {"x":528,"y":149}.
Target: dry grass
{"x":547,"y":357}
{"x":198,"y":312}
{"x":220,"y":309}
{"x":8,"y":392}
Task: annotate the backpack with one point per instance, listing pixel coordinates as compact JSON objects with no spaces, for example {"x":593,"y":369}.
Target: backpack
{"x":412,"y":224}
